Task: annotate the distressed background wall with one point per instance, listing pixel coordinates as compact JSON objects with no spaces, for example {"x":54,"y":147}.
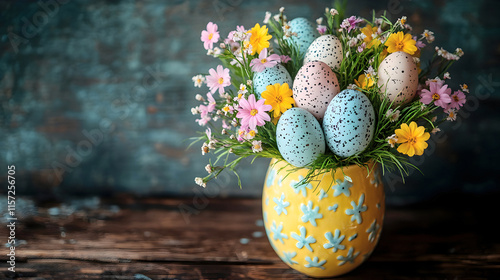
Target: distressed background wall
{"x":96,"y":95}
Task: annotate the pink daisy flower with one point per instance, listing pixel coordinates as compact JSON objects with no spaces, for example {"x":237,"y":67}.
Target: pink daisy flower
{"x":284,"y":59}
{"x":203,"y":110}
{"x":211,"y":102}
{"x":419,"y":44}
{"x":440,"y":95}
{"x":252,"y":113}
{"x":237,"y":35}
{"x":205,"y":118}
{"x":321,"y":29}
{"x":218,"y":80}
{"x":225,"y":125}
{"x":264,"y":61}
{"x":362,"y":47}
{"x":350,"y":23}
{"x":241,"y":134}
{"x":210,"y":36}
{"x":457,"y":100}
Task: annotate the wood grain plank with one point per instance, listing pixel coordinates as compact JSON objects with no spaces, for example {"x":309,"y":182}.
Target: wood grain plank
{"x":151,"y":237}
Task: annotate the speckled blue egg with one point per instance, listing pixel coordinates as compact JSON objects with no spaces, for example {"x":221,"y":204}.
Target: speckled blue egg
{"x":306,"y":33}
{"x":314,"y":87}
{"x":299,"y":136}
{"x":326,"y":48}
{"x":349,"y":123}
{"x":270,"y":76}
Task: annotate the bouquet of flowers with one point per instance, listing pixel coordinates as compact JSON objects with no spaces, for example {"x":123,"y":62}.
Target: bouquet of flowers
{"x":346,"y":91}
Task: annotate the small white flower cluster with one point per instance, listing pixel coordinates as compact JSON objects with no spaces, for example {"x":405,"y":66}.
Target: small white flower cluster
{"x":215,"y":52}
{"x":402,"y":23}
{"x":448,"y":55}
{"x":392,"y":115}
{"x":287,"y":29}
{"x":371,"y":72}
{"x":278,"y":17}
{"x":199,"y":181}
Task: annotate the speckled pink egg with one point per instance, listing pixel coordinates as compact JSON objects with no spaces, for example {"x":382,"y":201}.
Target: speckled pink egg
{"x":314,"y":87}
{"x":398,"y":78}
{"x":326,"y":48}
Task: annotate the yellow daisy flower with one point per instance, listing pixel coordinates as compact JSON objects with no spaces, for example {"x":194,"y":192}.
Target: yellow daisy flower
{"x":400,"y":42}
{"x":383,"y":54}
{"x":368,"y":31}
{"x":364,"y":81}
{"x":259,"y":39}
{"x":279,"y":97}
{"x":412,"y":139}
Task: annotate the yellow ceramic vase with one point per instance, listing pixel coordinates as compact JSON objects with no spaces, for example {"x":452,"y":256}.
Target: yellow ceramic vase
{"x":326,"y":228}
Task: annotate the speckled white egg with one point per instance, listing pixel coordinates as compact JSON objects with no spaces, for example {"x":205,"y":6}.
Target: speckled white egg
{"x":299,"y":137}
{"x":306,"y":33}
{"x":326,"y":48}
{"x":349,"y":123}
{"x":398,"y":77}
{"x":270,"y":76}
{"x":314,"y":87}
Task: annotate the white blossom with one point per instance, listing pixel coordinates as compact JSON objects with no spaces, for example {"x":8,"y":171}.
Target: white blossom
{"x":428,"y":35}
{"x":208,"y":168}
{"x":256,"y":146}
{"x":199,"y":181}
{"x":392,"y":140}
{"x":198,"y":80}
{"x":267,"y":17}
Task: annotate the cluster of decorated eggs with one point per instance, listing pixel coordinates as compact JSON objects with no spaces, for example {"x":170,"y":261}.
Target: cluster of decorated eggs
{"x":324,"y":116}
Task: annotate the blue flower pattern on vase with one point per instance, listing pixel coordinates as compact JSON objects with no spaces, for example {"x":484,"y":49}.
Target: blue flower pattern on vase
{"x":334,"y":241}
{"x":314,"y":262}
{"x":351,"y":238}
{"x":310,"y":214}
{"x":322,"y":194}
{"x":281,"y":204}
{"x":372,"y":230}
{"x":277,"y":232}
{"x":357,"y":209}
{"x":349,"y":258}
{"x":308,"y":211}
{"x":376,"y":177}
{"x":302,"y":240}
{"x":333,"y":207}
{"x":299,"y":187}
{"x":342,"y":188}
{"x":270,"y":178}
{"x":288,"y":257}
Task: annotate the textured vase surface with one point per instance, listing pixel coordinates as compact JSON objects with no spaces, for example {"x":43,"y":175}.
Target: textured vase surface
{"x":328,"y":227}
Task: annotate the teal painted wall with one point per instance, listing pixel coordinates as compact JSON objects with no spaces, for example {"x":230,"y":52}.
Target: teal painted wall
{"x":102,"y":90}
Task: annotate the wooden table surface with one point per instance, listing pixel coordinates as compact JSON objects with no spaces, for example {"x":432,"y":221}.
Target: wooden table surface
{"x":200,"y":238}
